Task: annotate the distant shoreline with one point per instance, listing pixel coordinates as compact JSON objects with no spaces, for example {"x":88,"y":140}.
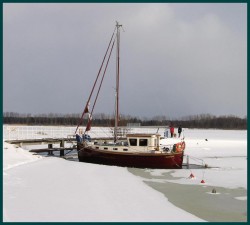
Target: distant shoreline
{"x":152,"y":126}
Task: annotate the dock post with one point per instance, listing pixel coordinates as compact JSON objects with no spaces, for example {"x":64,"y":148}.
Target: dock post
{"x":62,"y":146}
{"x":50,"y":146}
{"x":187,"y":161}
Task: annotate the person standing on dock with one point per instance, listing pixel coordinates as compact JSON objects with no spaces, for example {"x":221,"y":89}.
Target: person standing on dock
{"x":179,"y":130}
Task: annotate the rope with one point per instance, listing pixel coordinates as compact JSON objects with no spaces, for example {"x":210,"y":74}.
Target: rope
{"x":69,"y":152}
{"x":195,"y":158}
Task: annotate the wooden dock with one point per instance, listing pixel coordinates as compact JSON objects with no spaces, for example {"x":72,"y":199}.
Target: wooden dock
{"x":51,"y":141}
{"x":51,"y":151}
{"x":42,"y":141}
{"x":47,"y":141}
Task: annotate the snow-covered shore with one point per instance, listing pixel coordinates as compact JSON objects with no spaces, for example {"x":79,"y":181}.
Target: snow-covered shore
{"x":43,"y":189}
{"x":56,"y":190}
{"x":14,"y":156}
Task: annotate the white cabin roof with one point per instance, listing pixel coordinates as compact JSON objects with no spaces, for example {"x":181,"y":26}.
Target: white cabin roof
{"x":142,"y":135}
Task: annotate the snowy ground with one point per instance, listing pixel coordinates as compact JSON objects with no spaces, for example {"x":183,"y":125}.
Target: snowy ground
{"x":225,"y":152}
{"x":44,"y":189}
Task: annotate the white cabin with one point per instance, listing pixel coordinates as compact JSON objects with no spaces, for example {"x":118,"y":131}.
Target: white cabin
{"x":144,"y":141}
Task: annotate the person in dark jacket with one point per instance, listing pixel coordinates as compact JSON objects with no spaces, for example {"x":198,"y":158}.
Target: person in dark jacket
{"x":179,"y":131}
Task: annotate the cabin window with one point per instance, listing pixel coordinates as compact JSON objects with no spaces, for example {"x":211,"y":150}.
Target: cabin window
{"x":133,"y":142}
{"x":143,"y":142}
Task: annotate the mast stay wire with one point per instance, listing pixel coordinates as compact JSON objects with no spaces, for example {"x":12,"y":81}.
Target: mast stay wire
{"x":86,"y":107}
{"x":100,"y":85}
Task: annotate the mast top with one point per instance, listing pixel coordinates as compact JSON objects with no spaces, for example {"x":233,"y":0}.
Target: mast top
{"x":118,"y":25}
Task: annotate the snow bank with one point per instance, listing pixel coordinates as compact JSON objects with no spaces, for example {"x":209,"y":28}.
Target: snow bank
{"x":56,"y":190}
{"x":14,"y":156}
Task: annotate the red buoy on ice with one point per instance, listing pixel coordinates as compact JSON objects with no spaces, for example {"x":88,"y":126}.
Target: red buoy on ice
{"x":191,"y":176}
{"x":202,"y":181}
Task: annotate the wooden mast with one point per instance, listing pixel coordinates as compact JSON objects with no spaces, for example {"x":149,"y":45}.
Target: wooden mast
{"x":117,"y":80}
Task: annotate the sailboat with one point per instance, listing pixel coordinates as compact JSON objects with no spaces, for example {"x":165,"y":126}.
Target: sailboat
{"x":138,"y":150}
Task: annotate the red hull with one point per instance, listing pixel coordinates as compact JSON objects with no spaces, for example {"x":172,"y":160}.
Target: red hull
{"x":137,"y":160}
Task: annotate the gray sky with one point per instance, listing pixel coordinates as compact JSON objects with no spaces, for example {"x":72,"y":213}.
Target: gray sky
{"x":176,"y":59}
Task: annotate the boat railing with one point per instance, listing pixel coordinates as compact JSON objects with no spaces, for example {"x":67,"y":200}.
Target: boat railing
{"x":123,"y":146}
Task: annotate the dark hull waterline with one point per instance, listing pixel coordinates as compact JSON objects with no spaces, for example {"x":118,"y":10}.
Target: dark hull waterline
{"x":137,"y":160}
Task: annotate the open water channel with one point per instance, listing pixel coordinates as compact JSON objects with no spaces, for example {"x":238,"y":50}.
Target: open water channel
{"x":222,"y":206}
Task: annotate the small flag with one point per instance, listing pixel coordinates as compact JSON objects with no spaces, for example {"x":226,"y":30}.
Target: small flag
{"x":86,"y":110}
{"x":88,"y":127}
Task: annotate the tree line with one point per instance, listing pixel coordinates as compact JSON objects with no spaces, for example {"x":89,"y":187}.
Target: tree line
{"x":197,"y":121}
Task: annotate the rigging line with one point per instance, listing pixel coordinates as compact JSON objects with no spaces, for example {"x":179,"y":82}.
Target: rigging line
{"x":102,"y":77}
{"x":106,"y":132}
{"x":102,"y":130}
{"x":100,"y":85}
{"x":96,"y":133}
{"x":81,"y":119}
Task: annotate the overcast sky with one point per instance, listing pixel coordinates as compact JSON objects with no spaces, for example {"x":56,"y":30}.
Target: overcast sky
{"x":176,"y":59}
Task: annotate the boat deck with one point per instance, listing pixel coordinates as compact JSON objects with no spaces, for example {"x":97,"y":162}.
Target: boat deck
{"x":131,"y":149}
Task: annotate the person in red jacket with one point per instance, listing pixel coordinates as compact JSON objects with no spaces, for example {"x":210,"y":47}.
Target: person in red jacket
{"x":172,"y":131}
